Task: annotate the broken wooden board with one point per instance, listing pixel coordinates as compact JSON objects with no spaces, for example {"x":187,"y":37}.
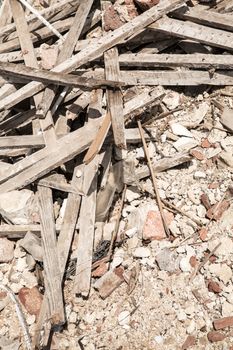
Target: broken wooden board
{"x":194,"y":31}
{"x":207,"y":61}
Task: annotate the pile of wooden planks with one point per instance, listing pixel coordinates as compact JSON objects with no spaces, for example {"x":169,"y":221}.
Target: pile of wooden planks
{"x":66,"y":98}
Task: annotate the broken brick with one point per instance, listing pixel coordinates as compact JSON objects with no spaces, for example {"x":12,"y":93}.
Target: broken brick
{"x":100,"y":270}
{"x":190,"y":341}
{"x":203,"y":233}
{"x":193,"y":261}
{"x":217,"y":210}
{"x":214,"y":287}
{"x":153,"y":228}
{"x":109,"y":282}
{"x":215,"y":336}
{"x":31,"y":298}
{"x":111,"y":19}
{"x":146,"y":4}
{"x":205,"y":143}
{"x":223,"y":322}
{"x":205,"y":201}
{"x":197,"y":154}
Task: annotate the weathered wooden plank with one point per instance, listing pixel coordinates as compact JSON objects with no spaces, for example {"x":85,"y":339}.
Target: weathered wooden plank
{"x":194,"y":31}
{"x":225,"y":6}
{"x":16,"y":120}
{"x":176,"y":60}
{"x":208,"y":18}
{"x":50,"y":257}
{"x":26,"y":141}
{"x":96,"y":50}
{"x":47,"y":77}
{"x":86,"y":231}
{"x":172,"y":78}
{"x":115,"y":101}
{"x":5,"y":13}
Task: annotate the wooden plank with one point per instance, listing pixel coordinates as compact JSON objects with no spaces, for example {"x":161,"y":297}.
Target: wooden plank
{"x":50,"y":257}
{"x":26,"y":141}
{"x":225,"y":6}
{"x":5,"y":13}
{"x":46,"y":77}
{"x":194,"y":31}
{"x":115,"y":100}
{"x":16,"y":120}
{"x":86,"y":232}
{"x":96,"y":50}
{"x":208,"y":18}
{"x":176,"y":60}
{"x":172,"y":78}
{"x":42,"y":162}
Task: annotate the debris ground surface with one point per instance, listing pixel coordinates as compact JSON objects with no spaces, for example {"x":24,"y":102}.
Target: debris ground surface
{"x":116,"y":165}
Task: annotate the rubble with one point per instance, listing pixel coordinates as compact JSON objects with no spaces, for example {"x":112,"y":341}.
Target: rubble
{"x":116,"y":164}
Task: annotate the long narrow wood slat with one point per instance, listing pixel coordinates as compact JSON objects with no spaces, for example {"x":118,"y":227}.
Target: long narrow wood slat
{"x":50,"y":257}
{"x":176,"y":60}
{"x":204,"y":17}
{"x":194,"y":31}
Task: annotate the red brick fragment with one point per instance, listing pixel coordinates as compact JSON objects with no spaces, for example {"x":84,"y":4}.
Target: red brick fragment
{"x":214,"y":287}
{"x":205,"y":143}
{"x":100,"y":270}
{"x":189,"y":342}
{"x":213,"y":185}
{"x":217,"y":210}
{"x":205,"y":201}
{"x":193,"y":261}
{"x":197,"y":154}
{"x":203,"y":234}
{"x":215,"y":336}
{"x":111,"y":19}
{"x":146,"y":4}
{"x":109,"y":282}
{"x":224,"y":322}
{"x":31,"y":298}
{"x":153,"y":228}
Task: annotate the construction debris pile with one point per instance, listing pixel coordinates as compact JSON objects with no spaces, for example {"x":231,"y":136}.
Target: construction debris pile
{"x":116,"y":165}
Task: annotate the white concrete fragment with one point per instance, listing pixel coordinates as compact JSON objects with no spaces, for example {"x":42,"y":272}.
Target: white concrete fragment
{"x":6,"y":250}
{"x":180,"y":130}
{"x":141,"y":252}
{"x":185,"y":144}
{"x":222,"y":271}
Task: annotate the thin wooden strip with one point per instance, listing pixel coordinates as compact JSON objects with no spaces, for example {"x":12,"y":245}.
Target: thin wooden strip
{"x":194,"y":31}
{"x":208,"y":18}
{"x":115,"y":100}
{"x":50,"y":257}
{"x":176,"y":60}
{"x":28,"y":141}
{"x":47,"y":77}
{"x":86,"y":232}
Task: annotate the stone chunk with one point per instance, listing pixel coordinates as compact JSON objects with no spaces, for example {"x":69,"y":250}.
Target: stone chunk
{"x":141,"y":252}
{"x":31,"y":298}
{"x":223,"y":272}
{"x":6,"y":250}
{"x":146,"y":4}
{"x":153,"y":227}
{"x":167,"y":260}
{"x":214,"y":287}
{"x":32,"y":244}
{"x":227,"y":118}
{"x":180,"y":130}
{"x":16,"y":206}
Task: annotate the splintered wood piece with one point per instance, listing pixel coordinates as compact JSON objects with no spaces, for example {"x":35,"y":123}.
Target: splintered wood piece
{"x":115,"y":101}
{"x":189,"y":30}
{"x":208,"y":18}
{"x":96,"y":50}
{"x":86,"y":232}
{"x":176,"y":60}
{"x":42,"y":162}
{"x":50,"y":257}
{"x":21,"y":72}
{"x":26,"y":141}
